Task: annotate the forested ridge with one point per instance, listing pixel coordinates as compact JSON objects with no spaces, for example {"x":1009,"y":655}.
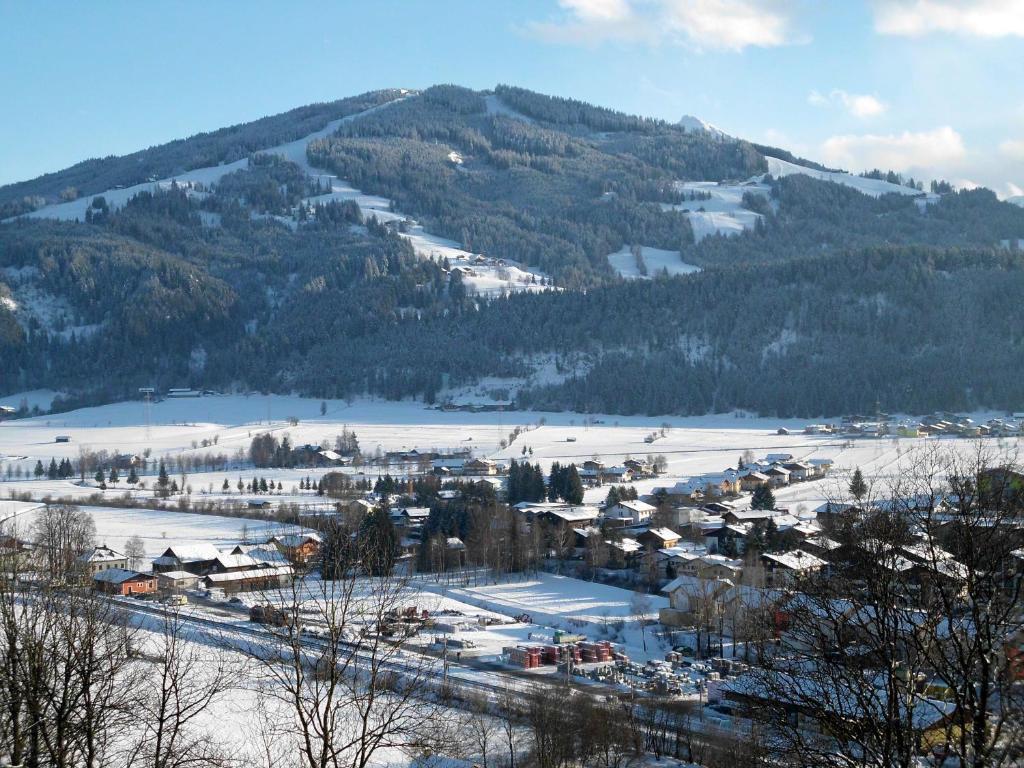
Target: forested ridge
{"x":834,"y":302}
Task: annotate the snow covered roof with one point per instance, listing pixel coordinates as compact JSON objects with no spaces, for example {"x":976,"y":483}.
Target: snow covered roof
{"x":101,"y":554}
{"x":177,"y":575}
{"x":797,"y":560}
{"x":254,"y":573}
{"x":119,"y":575}
{"x":695,"y":583}
{"x":665,"y":534}
{"x":297,"y":539}
{"x":637,"y":506}
{"x":190,"y":553}
{"x":416,"y":512}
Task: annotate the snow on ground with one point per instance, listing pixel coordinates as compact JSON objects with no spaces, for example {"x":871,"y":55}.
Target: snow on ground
{"x":655,"y":260}
{"x":485,"y":276}
{"x":36,"y":397}
{"x":695,"y":125}
{"x":723,"y":213}
{"x":160,"y":529}
{"x":872,"y":187}
{"x":559,"y":602}
{"x":495,"y":106}
{"x":294,"y":151}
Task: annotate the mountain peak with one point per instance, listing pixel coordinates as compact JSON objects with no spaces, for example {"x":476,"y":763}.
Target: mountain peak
{"x":692,"y":124}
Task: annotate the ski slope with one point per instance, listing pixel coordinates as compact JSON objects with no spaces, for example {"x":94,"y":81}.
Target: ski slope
{"x":656,"y":260}
{"x":723,"y":213}
{"x":872,"y":187}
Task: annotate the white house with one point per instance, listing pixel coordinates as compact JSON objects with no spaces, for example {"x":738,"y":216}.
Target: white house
{"x":630,"y":512}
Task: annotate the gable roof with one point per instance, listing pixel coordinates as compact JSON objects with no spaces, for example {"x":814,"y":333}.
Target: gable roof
{"x":120,"y":576}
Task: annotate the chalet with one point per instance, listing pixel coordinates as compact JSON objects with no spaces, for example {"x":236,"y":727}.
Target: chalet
{"x":781,"y":569}
{"x":616,"y":475}
{"x":821,"y":466}
{"x":448,"y":465}
{"x":630,"y":512}
{"x":753,"y":480}
{"x":119,"y":581}
{"x":799,"y":470}
{"x":173,"y":581}
{"x":296,"y":547}
{"x":689,"y":595}
{"x":258,"y":503}
{"x":250,"y":579}
{"x":62,"y":439}
{"x":778,"y":476}
{"x":360,"y":507}
{"x":479,"y":468}
{"x":639,"y":468}
{"x":199,"y":559}
{"x":773,"y":458}
{"x":102,"y":558}
{"x":594,"y":466}
{"x":625,"y":553}
{"x":412,"y":517}
{"x":658,"y":538}
{"x":568,"y":515}
{"x":6,"y":412}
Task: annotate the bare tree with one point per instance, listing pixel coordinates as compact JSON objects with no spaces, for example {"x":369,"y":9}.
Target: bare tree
{"x":333,"y":663}
{"x":178,"y":690}
{"x":135,"y":551}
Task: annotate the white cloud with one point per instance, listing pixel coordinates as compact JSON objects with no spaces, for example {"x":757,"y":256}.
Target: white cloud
{"x":598,"y":10}
{"x":729,"y":25}
{"x":979,"y":18}
{"x":938,"y":149}
{"x":860,"y":105}
{"x":1013,"y":148}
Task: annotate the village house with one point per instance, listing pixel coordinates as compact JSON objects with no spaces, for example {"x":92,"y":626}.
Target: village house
{"x":199,"y":559}
{"x":629,"y":512}
{"x":658,"y":538}
{"x":782,"y":569}
{"x":250,"y":579}
{"x":297,"y":547}
{"x":752,"y":480}
{"x":479,"y":468}
{"x":119,"y":581}
{"x":777,"y":475}
{"x":102,"y":558}
{"x":176,"y":581}
{"x":616,"y":475}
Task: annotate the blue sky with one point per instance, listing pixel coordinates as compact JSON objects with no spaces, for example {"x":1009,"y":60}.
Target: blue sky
{"x":927,"y":87}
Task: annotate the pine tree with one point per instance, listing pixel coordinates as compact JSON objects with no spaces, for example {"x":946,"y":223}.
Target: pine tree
{"x":858,"y":488}
{"x":763,"y":498}
{"x":100,"y":479}
{"x":114,"y":476}
{"x":226,"y":486}
{"x":39,"y":471}
{"x":133,"y":478}
{"x":52,"y":471}
{"x":573,"y":490}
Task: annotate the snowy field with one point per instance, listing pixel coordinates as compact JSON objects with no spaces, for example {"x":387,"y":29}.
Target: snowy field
{"x":656,"y":260}
{"x":872,"y":187}
{"x":158,"y":529}
{"x":723,"y":213}
{"x":690,"y":445}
